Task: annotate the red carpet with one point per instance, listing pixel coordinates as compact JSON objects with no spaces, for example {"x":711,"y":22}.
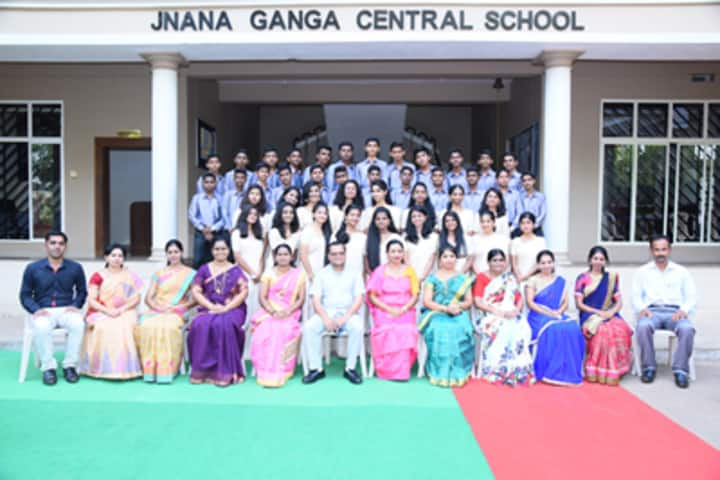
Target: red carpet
{"x":591,"y":432}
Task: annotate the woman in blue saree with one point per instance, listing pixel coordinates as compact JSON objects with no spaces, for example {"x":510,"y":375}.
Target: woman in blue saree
{"x":446,"y":325}
{"x":558,"y":341}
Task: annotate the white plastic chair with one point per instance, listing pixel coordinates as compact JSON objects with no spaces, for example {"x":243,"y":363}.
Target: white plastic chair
{"x":246,"y":348}
{"x":477,"y":367}
{"x":27,"y":347}
{"x":185,"y":362}
{"x":672,"y":346}
{"x":422,"y":355}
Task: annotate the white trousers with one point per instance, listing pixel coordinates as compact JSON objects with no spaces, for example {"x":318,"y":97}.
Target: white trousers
{"x":312,"y":334}
{"x":43,"y":326}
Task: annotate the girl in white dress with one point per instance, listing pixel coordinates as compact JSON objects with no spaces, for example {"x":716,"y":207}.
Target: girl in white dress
{"x":468,"y":218}
{"x":494,"y":202}
{"x":314,"y":240}
{"x":419,"y":196}
{"x":452,"y":235}
{"x":285,"y":229}
{"x":311,"y":197}
{"x":348,"y":194}
{"x":382,"y":229}
{"x":248,"y":244}
{"x":524,"y":249}
{"x":292,"y":196}
{"x":421,"y":243}
{"x":380,"y":198}
{"x":488,"y":239}
{"x":354,"y":239}
{"x":255,"y":197}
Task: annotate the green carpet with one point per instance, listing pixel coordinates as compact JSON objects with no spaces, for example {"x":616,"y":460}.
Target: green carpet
{"x":330,"y":430}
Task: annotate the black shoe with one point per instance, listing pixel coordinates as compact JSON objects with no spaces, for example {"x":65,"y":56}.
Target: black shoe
{"x":681,"y":380}
{"x":313,"y":376}
{"x":352,"y":376}
{"x":648,"y":376}
{"x":71,"y":375}
{"x":50,"y":377}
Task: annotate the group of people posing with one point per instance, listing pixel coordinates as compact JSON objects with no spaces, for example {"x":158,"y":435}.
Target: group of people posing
{"x":445,"y":276}
{"x":477,"y":199}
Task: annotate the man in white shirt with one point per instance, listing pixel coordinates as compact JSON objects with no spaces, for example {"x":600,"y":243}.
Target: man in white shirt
{"x":664,"y":297}
{"x":337,"y":294}
{"x":372,"y":150}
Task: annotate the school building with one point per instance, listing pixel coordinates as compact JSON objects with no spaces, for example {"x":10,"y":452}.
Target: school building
{"x":616,"y":105}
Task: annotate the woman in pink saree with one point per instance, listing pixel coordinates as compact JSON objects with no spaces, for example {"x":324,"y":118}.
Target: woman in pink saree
{"x":609,"y":338}
{"x":393,"y":290}
{"x":275,"y":326}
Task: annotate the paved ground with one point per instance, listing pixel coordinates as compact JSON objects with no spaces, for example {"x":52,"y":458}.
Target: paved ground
{"x":697,"y":408}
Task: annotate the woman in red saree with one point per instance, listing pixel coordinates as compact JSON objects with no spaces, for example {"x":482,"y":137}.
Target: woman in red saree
{"x":597,"y":295}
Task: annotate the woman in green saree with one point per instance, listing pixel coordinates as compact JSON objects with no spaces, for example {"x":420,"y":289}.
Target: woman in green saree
{"x":446,"y":325}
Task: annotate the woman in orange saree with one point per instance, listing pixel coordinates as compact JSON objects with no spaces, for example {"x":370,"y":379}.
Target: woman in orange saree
{"x":108,"y":349}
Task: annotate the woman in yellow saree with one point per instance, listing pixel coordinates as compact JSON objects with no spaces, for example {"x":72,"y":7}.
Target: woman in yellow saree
{"x":159,"y":333}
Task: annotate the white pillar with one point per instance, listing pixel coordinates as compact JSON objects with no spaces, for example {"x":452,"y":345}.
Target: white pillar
{"x":164,"y":148}
{"x":556,"y":146}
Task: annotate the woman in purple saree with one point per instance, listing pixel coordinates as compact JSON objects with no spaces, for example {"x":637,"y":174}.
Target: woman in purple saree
{"x":217,"y":336}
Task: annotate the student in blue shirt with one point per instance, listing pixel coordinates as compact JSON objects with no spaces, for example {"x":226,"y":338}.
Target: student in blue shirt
{"x":271,"y":158}
{"x":438,"y":191}
{"x":510,"y":164}
{"x":473,"y":195}
{"x":487,"y":174}
{"x":284,"y":172}
{"x":530,"y":200}
{"x":346,"y":159}
{"x":241,"y":162}
{"x":234,"y":196}
{"x":510,"y":196}
{"x":213,"y":166}
{"x":294,"y":159}
{"x":205,"y":214}
{"x":341,"y":176}
{"x":262,"y":175}
{"x":423,"y":166}
{"x":53,"y":291}
{"x":372,"y":150}
{"x":394,"y":168}
{"x":456,"y":175}
{"x":317,"y":175}
{"x":322,"y":158}
{"x":400,"y":195}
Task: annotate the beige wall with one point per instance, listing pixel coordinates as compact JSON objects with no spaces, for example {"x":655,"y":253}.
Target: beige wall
{"x":592,"y":82}
{"x":98,"y":100}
